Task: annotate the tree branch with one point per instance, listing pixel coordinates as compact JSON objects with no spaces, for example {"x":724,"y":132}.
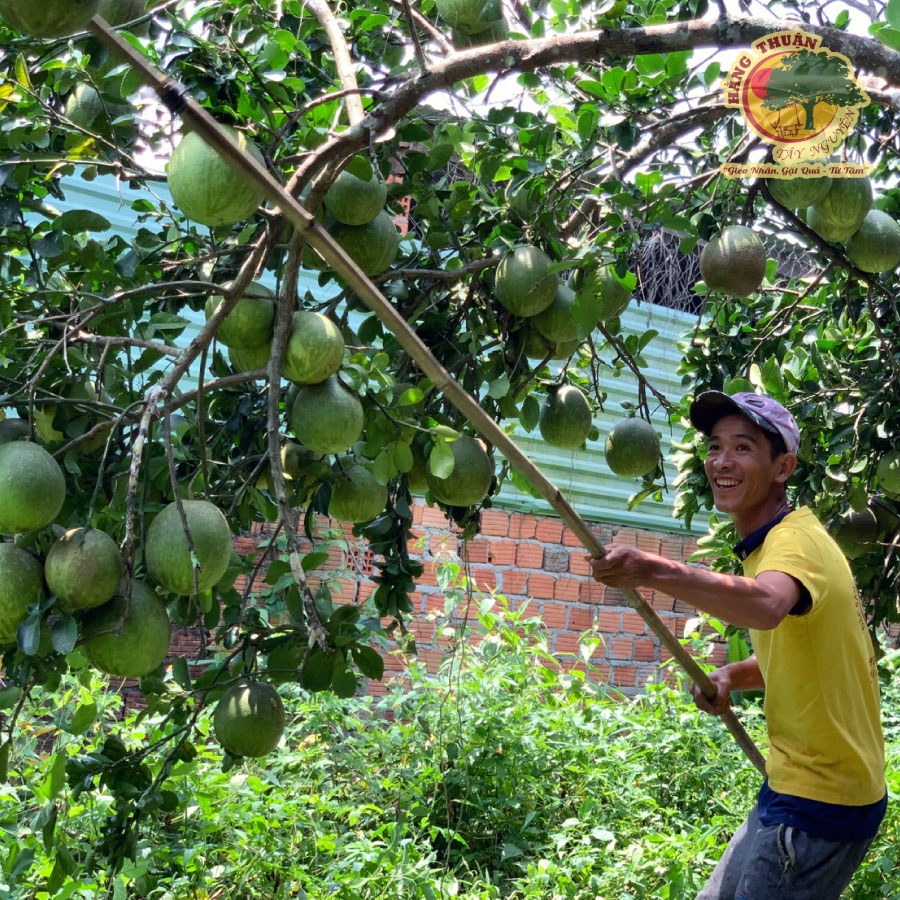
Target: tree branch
{"x":342,"y":59}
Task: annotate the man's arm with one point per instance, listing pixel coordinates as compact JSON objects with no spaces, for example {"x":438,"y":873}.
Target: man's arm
{"x":737,"y":676}
{"x":760,"y":602}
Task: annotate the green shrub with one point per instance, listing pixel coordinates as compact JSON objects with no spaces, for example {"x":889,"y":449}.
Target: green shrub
{"x":506,"y":775}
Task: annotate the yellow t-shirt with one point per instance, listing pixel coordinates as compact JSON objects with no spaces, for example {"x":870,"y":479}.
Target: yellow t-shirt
{"x":822,"y":701}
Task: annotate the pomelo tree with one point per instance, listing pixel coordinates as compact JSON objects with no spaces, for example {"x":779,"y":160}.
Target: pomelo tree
{"x":591,"y":133}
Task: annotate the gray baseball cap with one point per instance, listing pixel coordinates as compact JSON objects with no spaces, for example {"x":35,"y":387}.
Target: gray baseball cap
{"x":769,"y":414}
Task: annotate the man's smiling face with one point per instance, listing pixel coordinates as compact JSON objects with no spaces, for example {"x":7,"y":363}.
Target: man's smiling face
{"x":747,"y":483}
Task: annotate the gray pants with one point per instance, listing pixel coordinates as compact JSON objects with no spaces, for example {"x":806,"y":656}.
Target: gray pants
{"x":781,"y":862}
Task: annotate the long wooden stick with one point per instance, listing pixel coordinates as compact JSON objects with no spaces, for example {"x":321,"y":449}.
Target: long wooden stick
{"x":180,"y":103}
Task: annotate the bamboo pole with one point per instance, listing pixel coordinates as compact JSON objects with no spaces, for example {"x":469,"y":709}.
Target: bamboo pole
{"x":179,"y":102}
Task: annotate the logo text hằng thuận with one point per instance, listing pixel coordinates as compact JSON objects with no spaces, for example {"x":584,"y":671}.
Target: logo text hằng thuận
{"x":799,"y":97}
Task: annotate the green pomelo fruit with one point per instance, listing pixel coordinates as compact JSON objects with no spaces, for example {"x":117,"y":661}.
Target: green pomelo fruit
{"x":857,"y":533}
{"x":249,"y":359}
{"x":798,"y":193}
{"x":373,"y":246}
{"x":565,"y":418}
{"x":354,"y":200}
{"x":524,"y":199}
{"x":14,"y":430}
{"x":734,"y":261}
{"x":84,"y":568}
{"x":632,"y":448}
{"x":21,"y":585}
{"x":497,"y":30}
{"x":91,"y":410}
{"x":205,"y":187}
{"x":470,"y":480}
{"x":888,"y":472}
{"x":298,"y":462}
{"x":118,"y":12}
{"x":356,"y":495}
{"x":168,"y":554}
{"x":315,"y":348}
{"x":888,"y":519}
{"x":522,"y":282}
{"x":88,"y":109}
{"x":417,"y":476}
{"x":556,"y":322}
{"x":249,"y":719}
{"x":604,"y":289}
{"x":535,"y":346}
{"x":875,"y":246}
{"x":250,"y":322}
{"x":469,"y":16}
{"x":127,"y":637}
{"x":326,"y":417}
{"x":32,"y":487}
{"x":49,"y":18}
{"x":842,"y":210}
{"x":827,"y":229}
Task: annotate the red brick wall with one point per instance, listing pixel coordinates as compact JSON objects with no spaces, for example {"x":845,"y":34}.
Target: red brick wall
{"x":537,"y":563}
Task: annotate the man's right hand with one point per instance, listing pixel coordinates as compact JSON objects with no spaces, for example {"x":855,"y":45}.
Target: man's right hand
{"x":721,"y":680}
{"x":736,"y":676}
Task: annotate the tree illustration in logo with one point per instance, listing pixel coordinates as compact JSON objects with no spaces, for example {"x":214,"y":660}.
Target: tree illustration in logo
{"x":806,"y":78}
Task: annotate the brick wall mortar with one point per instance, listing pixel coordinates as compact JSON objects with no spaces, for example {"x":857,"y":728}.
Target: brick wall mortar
{"x":540,"y":568}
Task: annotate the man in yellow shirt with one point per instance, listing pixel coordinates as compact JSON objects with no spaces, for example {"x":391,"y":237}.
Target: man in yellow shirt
{"x":824,"y":794}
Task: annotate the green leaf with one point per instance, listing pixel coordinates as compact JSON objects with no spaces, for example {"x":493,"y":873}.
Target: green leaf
{"x":47,"y":249}
{"x":586,"y":311}
{"x":711,"y":73}
{"x":9,"y":696}
{"x":890,"y":37}
{"x":369,"y":661}
{"x":892,"y":13}
{"x":343,"y":682}
{"x":439,"y":155}
{"x":530,"y":413}
{"x":402,"y":456}
{"x":29,"y":634}
{"x":318,"y":671}
{"x":738,"y":648}
{"x":361,"y":167}
{"x":83,"y":718}
{"x":55,"y":780}
{"x":499,"y":387}
{"x":441,"y":460}
{"x":313,"y":560}
{"x":64,"y":635}
{"x":24,"y":860}
{"x":613,"y":79}
{"x":181,"y":673}
{"x":74,"y":221}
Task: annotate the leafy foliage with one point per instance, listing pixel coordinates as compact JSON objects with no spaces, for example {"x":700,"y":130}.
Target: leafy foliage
{"x":510,"y":774}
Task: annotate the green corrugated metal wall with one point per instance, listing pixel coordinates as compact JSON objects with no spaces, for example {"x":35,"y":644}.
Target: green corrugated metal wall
{"x":582,"y":476}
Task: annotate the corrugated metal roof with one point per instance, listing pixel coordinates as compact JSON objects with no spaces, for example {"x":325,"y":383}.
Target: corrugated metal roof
{"x":582,"y":476}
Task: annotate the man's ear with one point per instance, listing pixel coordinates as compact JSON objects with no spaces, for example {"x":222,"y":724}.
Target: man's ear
{"x":787,"y":462}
